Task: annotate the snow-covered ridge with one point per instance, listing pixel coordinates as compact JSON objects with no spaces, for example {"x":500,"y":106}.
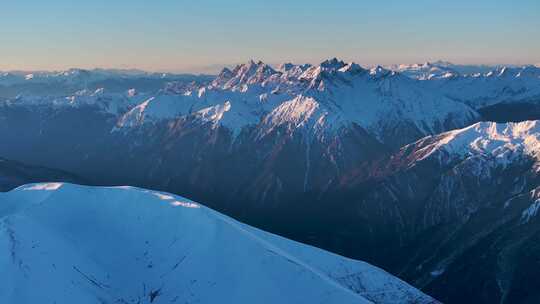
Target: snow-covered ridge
{"x":319,"y":98}
{"x":443,"y":69}
{"x":503,"y":142}
{"x":65,"y":243}
{"x":484,"y":86}
{"x":426,"y":71}
{"x":323,"y":98}
{"x":114,"y":103}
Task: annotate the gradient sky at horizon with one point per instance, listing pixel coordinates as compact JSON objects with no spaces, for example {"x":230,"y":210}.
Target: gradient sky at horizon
{"x":204,"y":35}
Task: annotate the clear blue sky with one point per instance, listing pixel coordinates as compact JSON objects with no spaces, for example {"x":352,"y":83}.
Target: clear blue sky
{"x":197,"y":35}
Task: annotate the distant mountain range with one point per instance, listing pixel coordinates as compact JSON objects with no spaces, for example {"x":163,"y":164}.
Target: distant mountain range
{"x":396,"y":167}
{"x":43,"y":83}
{"x":429,"y":70}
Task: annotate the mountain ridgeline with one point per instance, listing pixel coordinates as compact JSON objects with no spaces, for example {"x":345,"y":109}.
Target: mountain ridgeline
{"x":399,"y":167}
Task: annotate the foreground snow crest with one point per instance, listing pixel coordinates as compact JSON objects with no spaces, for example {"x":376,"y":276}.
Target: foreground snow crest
{"x":65,"y":243}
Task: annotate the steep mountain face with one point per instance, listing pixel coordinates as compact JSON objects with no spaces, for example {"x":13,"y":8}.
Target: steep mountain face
{"x":64,"y":243}
{"x":459,"y":209}
{"x":14,"y":174}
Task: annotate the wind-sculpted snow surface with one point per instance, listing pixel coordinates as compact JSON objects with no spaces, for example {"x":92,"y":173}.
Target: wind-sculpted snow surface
{"x":62,"y":243}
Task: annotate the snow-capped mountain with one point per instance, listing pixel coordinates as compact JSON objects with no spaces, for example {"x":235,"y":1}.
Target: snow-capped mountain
{"x":491,"y":90}
{"x":426,"y":71}
{"x":100,"y":99}
{"x":319,"y":120}
{"x":440,"y":69}
{"x":500,"y":142}
{"x":355,"y":153}
{"x":330,"y":96}
{"x":65,"y":243}
{"x":461,"y":208}
{"x":316,"y":99}
{"x":503,"y":85}
{"x":501,"y":93}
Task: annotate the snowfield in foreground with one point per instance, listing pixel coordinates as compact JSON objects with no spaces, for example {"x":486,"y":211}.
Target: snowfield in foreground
{"x":63,"y":243}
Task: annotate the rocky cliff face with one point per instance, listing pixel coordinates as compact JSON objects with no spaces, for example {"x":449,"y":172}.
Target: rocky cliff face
{"x":459,"y":210}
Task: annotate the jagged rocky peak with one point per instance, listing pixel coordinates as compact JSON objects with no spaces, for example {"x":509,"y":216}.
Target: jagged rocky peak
{"x":244,"y":74}
{"x":252,"y":68}
{"x":380,"y":72}
{"x":225,"y":73}
{"x":352,"y":68}
{"x":285,"y":67}
{"x":332,"y":64}
{"x":330,"y":69}
{"x":291,"y":72}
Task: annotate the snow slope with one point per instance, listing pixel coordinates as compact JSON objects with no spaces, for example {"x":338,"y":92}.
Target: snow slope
{"x":63,"y":243}
{"x":502,"y":142}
